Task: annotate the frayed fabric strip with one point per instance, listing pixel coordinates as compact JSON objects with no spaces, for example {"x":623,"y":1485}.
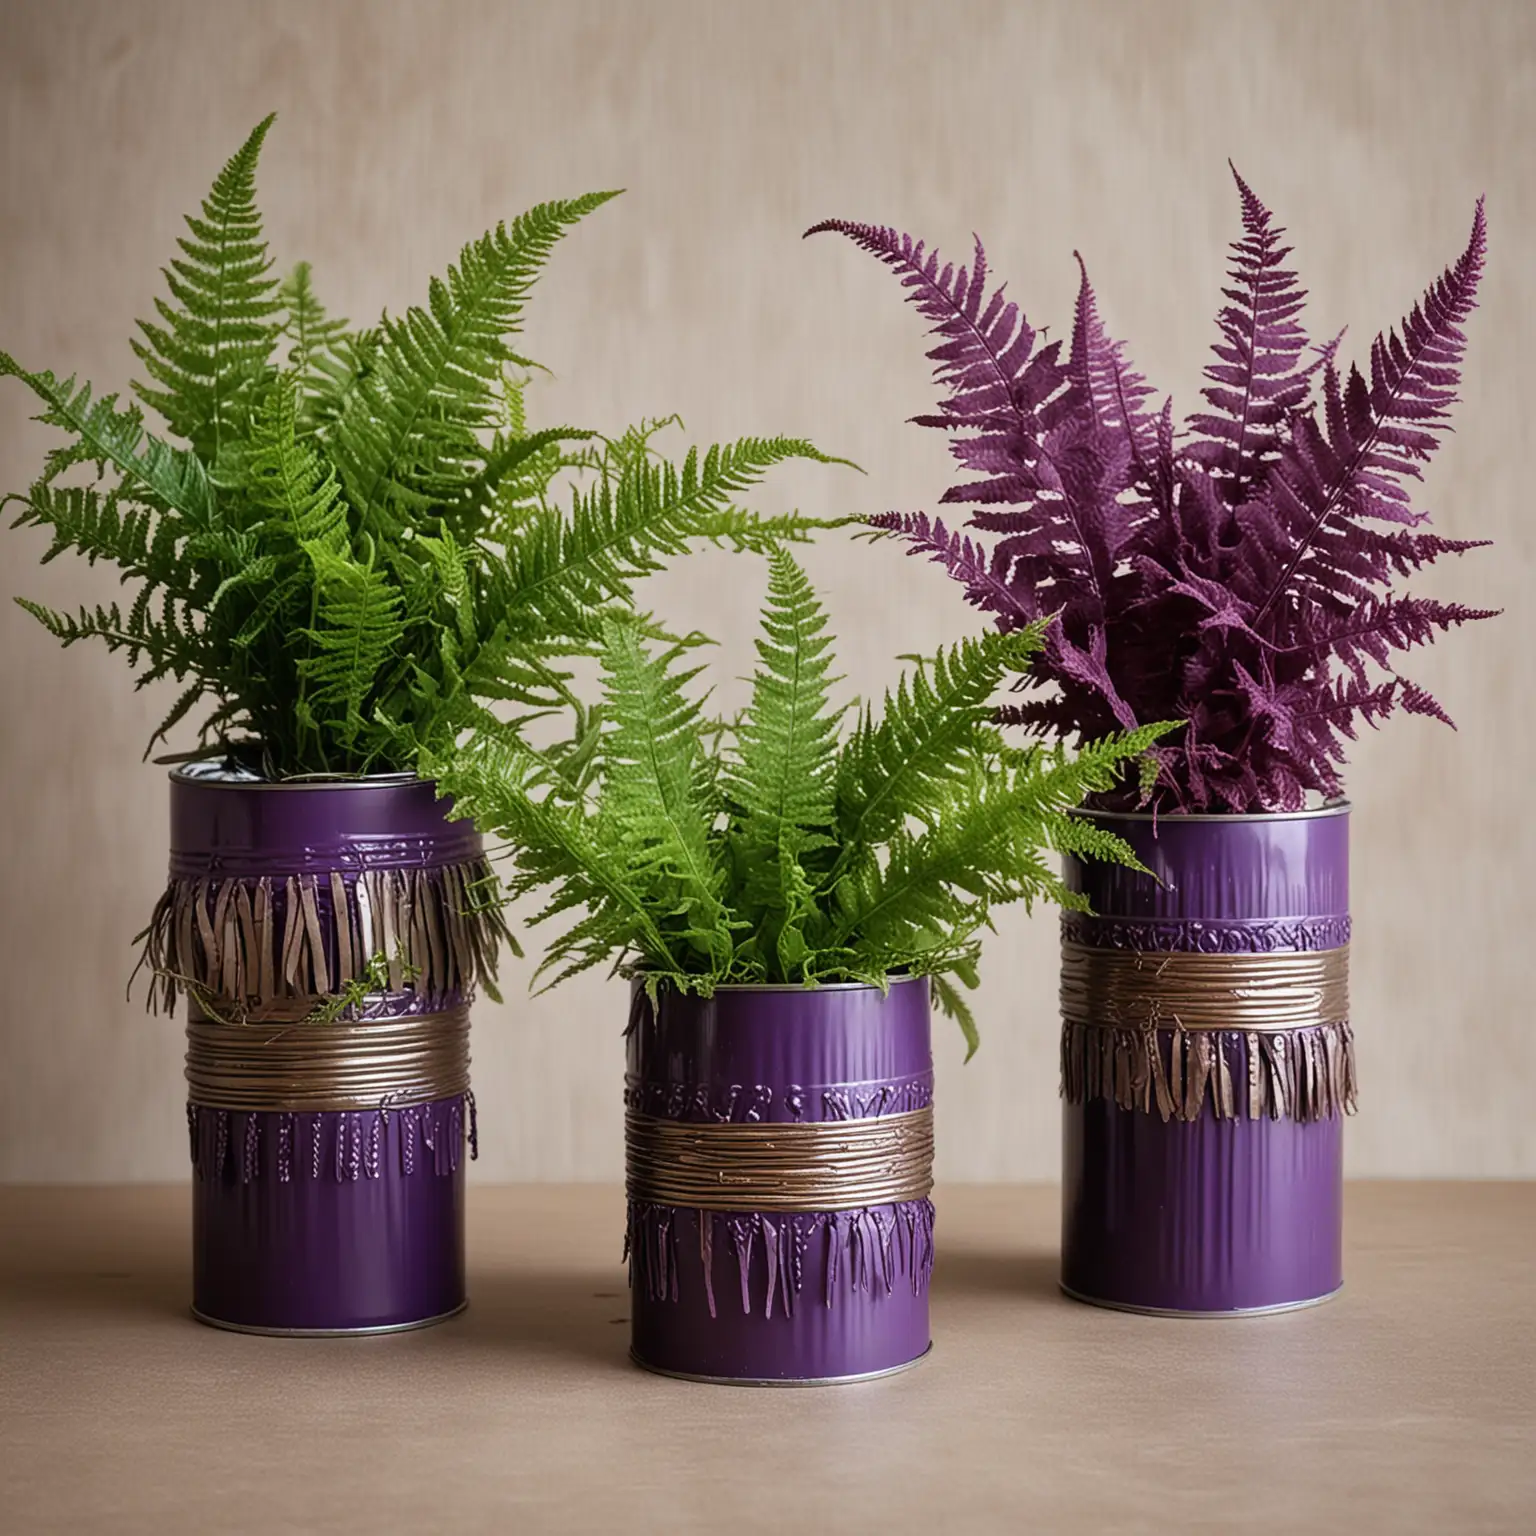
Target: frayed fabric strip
{"x":1301,"y":1074}
{"x":255,"y":942}
{"x":871,"y":1249}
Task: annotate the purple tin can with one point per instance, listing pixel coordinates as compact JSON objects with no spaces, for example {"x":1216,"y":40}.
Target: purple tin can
{"x":827,"y":1281}
{"x":327,"y":936}
{"x":1203,"y":1167}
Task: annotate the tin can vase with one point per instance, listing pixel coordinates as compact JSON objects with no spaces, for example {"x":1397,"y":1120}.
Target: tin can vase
{"x":327,"y":936}
{"x":1207,"y":1064}
{"x":779,"y":1149}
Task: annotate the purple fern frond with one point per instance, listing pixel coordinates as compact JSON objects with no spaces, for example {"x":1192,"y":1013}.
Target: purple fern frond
{"x":1239,"y":578}
{"x":986,"y":581}
{"x":1378,"y":433}
{"x":1258,"y":378}
{"x":985,"y":357}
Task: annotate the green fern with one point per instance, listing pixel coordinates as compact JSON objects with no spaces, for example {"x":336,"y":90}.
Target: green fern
{"x":780,"y":769}
{"x":210,"y":353}
{"x":409,"y":439}
{"x":701,"y":853}
{"x":323,"y":356}
{"x":361,"y":548}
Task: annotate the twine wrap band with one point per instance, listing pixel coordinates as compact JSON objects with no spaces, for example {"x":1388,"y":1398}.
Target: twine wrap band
{"x":1128,"y":989}
{"x":1251,"y":1034}
{"x":824,"y":1165}
{"x":415,"y":1059}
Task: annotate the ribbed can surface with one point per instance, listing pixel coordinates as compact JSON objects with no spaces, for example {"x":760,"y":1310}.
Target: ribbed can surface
{"x":321,"y":1220}
{"x":776,"y":1296}
{"x":1213,"y":1214}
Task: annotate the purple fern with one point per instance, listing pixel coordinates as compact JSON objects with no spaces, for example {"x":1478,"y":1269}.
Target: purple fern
{"x":1239,"y":576}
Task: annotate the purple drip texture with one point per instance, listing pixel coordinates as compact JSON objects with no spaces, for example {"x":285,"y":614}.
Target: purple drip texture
{"x":1214,"y":1215}
{"x":328,"y":1221}
{"x":377,"y":1240}
{"x":771,"y":1297}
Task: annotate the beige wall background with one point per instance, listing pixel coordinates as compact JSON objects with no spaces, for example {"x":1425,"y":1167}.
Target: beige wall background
{"x":405,"y":129}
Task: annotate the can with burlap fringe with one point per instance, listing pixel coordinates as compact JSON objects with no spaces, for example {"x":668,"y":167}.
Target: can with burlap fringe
{"x":326,"y":937}
{"x":1207,"y":1064}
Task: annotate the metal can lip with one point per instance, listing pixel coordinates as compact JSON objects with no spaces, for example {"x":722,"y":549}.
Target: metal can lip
{"x":1180,"y":818}
{"x":797,"y":988}
{"x":214,"y":773}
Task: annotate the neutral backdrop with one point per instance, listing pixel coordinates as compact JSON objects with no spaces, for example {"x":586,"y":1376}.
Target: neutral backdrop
{"x":405,"y":129}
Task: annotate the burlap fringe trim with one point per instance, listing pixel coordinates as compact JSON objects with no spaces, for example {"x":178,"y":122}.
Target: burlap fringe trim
{"x":867,"y":1248}
{"x":254,"y":942}
{"x":1301,"y":1074}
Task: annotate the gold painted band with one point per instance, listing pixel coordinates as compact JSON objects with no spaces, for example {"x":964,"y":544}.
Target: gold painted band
{"x":827,"y":1165}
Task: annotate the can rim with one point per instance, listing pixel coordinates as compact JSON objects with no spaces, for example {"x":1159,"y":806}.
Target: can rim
{"x":1313,"y":813}
{"x":793,"y":988}
{"x":186,"y":773}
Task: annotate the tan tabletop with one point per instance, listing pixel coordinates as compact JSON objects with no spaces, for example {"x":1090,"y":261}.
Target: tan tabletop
{"x":1408,"y":1404}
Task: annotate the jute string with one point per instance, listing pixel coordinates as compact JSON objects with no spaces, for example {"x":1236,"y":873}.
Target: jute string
{"x":1257,"y":993}
{"x":828,"y":1165}
{"x":300,"y":1066}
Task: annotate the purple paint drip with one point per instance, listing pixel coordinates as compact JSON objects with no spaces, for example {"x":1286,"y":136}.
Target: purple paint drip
{"x":315,"y":1246}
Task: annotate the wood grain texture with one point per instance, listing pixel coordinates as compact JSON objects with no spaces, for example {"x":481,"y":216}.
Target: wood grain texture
{"x":1406,"y":1405}
{"x":1047,"y":125}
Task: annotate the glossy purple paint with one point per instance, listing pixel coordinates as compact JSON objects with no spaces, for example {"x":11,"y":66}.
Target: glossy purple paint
{"x":376,"y":1239}
{"x":1210,"y":1216}
{"x":328,"y":1221}
{"x":858,"y":1300}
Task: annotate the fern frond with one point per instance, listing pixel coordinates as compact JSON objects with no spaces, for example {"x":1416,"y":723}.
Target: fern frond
{"x":167,"y":478}
{"x":559,"y":571}
{"x":505,"y":784}
{"x":166,"y":643}
{"x":780,"y":771}
{"x":321,"y":351}
{"x":285,"y":477}
{"x":651,"y":796}
{"x":1000,"y":387}
{"x":211,"y":352}
{"x":357,"y":631}
{"x":906,"y":764}
{"x":409,"y":436}
{"x":1258,"y":379}
{"x":948,"y":1000}
{"x":1377,"y":435}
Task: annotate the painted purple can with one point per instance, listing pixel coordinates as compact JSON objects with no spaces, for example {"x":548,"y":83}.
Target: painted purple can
{"x":780,"y":1298}
{"x":333,"y":1221}
{"x":1209,"y":1216}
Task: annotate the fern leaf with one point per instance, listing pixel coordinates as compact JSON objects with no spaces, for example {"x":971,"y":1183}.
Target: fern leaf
{"x":986,"y":357}
{"x":559,"y":571}
{"x":906,"y":764}
{"x":503,"y":783}
{"x":168,"y":478}
{"x":651,"y":787}
{"x":1376,"y":435}
{"x":323,"y":355}
{"x":949,"y":1002}
{"x":356,"y":634}
{"x":781,"y":770}
{"x":1258,"y":379}
{"x":285,"y":477}
{"x":408,"y":437}
{"x":211,"y":350}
